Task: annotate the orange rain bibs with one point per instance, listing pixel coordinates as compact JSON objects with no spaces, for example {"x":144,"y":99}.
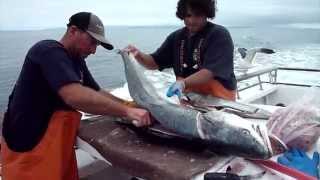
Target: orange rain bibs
{"x":53,"y":158}
{"x":214,"y":88}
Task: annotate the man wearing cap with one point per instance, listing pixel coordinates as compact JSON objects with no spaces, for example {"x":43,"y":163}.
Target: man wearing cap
{"x":41,"y":120}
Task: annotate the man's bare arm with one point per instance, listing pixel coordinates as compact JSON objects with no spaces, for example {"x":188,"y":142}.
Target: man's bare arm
{"x":111,"y":96}
{"x":201,"y":77}
{"x":145,"y":59}
{"x":91,"y":101}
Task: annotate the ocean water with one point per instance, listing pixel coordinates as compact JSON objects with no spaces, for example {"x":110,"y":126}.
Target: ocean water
{"x":296,"y":45}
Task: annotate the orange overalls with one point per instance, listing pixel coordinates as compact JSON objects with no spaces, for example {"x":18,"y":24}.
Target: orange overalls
{"x":53,"y":158}
{"x":214,"y":88}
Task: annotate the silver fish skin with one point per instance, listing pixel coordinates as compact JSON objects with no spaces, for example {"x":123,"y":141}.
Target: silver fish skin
{"x":243,"y":110}
{"x":225,"y":132}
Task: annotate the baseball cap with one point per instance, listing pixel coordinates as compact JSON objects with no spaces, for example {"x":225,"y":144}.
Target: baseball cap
{"x":90,"y":23}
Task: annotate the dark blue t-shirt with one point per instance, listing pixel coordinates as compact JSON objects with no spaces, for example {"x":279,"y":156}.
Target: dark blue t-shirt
{"x":211,"y":48}
{"x":46,"y":69}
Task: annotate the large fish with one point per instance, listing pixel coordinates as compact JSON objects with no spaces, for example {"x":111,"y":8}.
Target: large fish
{"x":223,"y":131}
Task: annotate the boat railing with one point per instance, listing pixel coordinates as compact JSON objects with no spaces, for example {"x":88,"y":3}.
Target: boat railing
{"x":306,"y":70}
{"x":272,"y":72}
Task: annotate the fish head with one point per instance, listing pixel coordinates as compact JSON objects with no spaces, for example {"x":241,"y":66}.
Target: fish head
{"x":234,"y":135}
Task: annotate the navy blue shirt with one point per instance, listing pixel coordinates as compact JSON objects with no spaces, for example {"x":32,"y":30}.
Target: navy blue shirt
{"x":47,"y":67}
{"x":211,"y":48}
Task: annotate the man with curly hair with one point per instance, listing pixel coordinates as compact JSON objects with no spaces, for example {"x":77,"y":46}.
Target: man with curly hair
{"x":201,"y":53}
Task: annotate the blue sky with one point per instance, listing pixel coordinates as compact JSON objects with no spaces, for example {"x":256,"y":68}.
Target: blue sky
{"x":41,"y":14}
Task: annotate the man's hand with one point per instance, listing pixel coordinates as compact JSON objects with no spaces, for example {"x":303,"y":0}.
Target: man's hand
{"x":139,"y":117}
{"x":176,"y":89}
{"x":299,"y":160}
{"x":132,"y":49}
{"x":144,"y":59}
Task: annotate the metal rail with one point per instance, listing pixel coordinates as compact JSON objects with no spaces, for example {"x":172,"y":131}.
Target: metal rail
{"x":272,"y":71}
{"x":298,"y":69}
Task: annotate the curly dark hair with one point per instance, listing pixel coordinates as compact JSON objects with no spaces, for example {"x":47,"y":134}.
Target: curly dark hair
{"x":200,"y":7}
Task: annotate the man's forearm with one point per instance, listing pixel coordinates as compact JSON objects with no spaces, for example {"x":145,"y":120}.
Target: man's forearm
{"x":147,"y":61}
{"x":201,"y":77}
{"x":111,"y":96}
{"x":91,"y":101}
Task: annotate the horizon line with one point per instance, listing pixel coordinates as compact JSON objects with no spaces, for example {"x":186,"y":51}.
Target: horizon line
{"x":160,"y":25}
{"x":60,"y":27}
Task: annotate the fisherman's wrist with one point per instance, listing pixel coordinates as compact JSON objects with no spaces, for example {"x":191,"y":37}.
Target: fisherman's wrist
{"x":126,"y":111}
{"x":183,"y":83}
